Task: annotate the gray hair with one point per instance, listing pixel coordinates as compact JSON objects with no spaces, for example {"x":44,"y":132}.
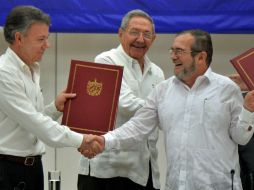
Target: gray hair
{"x":135,"y":13}
{"x":21,"y":18}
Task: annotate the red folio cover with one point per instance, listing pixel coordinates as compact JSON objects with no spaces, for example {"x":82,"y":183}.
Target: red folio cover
{"x":93,"y":110}
{"x":244,"y":65}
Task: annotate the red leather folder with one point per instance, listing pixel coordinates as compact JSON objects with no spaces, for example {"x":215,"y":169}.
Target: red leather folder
{"x":244,"y":65}
{"x":93,"y":110}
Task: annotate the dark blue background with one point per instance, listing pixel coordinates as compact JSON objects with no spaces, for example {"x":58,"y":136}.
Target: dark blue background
{"x":170,"y":16}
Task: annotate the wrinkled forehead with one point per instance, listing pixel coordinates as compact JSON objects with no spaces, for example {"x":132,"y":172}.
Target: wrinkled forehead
{"x":183,"y":41}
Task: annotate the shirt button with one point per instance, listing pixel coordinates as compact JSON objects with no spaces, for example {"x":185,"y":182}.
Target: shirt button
{"x":249,"y":128}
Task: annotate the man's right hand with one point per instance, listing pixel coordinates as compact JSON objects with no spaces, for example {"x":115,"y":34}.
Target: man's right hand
{"x":92,"y":145}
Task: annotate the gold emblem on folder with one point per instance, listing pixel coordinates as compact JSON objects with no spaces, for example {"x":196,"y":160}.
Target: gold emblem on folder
{"x":94,"y":88}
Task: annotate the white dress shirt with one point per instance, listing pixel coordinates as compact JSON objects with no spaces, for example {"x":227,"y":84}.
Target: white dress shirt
{"x":132,"y":164}
{"x":202,"y":128}
{"x":24,"y":122}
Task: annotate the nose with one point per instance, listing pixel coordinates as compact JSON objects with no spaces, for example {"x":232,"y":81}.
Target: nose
{"x":173,"y":55}
{"x":140,"y":37}
{"x":46,"y":44}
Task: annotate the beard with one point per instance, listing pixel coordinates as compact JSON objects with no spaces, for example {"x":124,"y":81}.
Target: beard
{"x":186,"y":72}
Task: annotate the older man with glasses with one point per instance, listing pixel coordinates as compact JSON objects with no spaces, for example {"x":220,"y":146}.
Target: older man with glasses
{"x":135,"y":169}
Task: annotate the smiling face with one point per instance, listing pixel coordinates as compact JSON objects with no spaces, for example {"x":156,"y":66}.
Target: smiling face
{"x":187,"y":67}
{"x":184,"y":62}
{"x":137,"y":38}
{"x":30,"y":46}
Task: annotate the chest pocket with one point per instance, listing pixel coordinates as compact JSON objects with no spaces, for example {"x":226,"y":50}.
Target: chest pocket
{"x":213,"y":112}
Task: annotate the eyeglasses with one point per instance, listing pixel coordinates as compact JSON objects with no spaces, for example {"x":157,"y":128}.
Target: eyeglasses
{"x":136,"y":34}
{"x":179,"y":52}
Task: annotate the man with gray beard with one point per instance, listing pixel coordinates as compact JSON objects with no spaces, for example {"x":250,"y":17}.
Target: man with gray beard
{"x":203,"y":117}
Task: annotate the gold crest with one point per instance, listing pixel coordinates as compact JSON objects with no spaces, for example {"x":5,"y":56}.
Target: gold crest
{"x":94,"y":88}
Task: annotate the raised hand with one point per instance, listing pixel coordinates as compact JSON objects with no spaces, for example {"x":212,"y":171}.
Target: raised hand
{"x":62,"y":98}
{"x":238,"y":80}
{"x":249,"y":101}
{"x":92,"y":145}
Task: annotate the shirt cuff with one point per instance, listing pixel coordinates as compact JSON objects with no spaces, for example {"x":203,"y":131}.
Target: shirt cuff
{"x":54,"y":108}
{"x":76,"y":139}
{"x":53,"y":112}
{"x":247,"y":117}
{"x":109,"y":139}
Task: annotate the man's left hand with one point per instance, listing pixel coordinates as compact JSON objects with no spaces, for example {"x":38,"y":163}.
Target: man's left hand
{"x":62,"y":98}
{"x":249,"y":101}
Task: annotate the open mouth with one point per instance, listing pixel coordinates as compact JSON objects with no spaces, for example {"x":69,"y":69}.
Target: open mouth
{"x":178,"y":64}
{"x":139,"y":46}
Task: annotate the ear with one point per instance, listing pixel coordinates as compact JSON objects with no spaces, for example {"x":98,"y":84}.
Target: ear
{"x":120,"y":35}
{"x":202,"y":56}
{"x":154,"y":36}
{"x":18,"y":37}
{"x":120,"y":32}
{"x":202,"y":59}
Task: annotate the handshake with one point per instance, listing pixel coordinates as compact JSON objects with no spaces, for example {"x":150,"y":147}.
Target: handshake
{"x":92,"y":145}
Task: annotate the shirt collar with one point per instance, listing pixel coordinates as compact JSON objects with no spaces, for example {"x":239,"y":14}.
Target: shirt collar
{"x":19,"y":62}
{"x":207,"y":76}
{"x":130,"y":61}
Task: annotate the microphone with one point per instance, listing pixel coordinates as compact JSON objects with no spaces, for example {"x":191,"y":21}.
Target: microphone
{"x":232,"y":172}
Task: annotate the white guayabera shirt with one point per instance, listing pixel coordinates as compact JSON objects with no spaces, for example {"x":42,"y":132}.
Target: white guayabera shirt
{"x":202,"y":127}
{"x":132,"y":164}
